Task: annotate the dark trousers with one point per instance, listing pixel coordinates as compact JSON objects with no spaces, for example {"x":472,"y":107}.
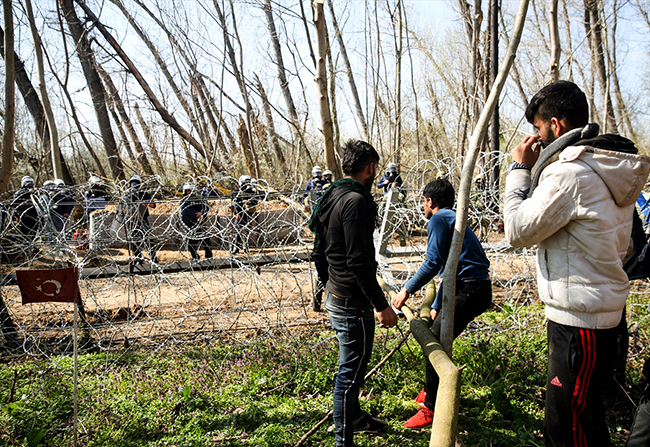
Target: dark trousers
{"x":640,"y":431}
{"x":194,"y":244}
{"x":138,"y":236}
{"x":355,"y":330}
{"x":472,"y":299}
{"x":580,"y":361}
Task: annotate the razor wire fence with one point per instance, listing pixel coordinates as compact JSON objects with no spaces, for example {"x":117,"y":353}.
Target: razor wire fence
{"x":141,"y":284}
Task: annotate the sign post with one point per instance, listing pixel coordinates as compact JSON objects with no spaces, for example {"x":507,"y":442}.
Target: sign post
{"x":55,"y":286}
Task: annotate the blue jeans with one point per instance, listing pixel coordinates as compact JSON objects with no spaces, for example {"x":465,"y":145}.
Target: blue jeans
{"x":355,"y":330}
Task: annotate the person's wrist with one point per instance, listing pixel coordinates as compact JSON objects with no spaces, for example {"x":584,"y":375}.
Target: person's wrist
{"x":516,"y":165}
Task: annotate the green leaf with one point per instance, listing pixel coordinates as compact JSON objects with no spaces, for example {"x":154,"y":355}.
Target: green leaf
{"x":35,"y":437}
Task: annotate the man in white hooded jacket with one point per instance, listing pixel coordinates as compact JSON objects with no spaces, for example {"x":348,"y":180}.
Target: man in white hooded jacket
{"x":580,"y":217}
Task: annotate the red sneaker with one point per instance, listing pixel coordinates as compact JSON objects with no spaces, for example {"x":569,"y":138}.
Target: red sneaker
{"x":420,"y":397}
{"x":423,"y":418}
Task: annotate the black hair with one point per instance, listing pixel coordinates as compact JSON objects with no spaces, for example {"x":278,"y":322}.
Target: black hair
{"x":356,"y":155}
{"x":563,"y":100}
{"x":441,"y":192}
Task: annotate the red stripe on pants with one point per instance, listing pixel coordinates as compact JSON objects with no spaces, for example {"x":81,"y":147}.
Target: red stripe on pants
{"x":587,"y":365}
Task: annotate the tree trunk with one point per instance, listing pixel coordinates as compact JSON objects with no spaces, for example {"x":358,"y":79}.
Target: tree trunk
{"x":207,"y":103}
{"x":270,"y":128}
{"x":10,"y":109}
{"x":73,"y":109}
{"x":418,"y":115}
{"x":593,"y":28}
{"x":241,"y":82}
{"x":85,"y":54}
{"x":398,"y":85}
{"x":159,"y":60}
{"x":350,"y":74}
{"x":621,"y":108}
{"x":477,"y":68}
{"x":141,"y":157}
{"x":125,"y":140}
{"x":321,"y":82}
{"x":202,"y":125}
{"x":555,"y":40}
{"x":150,"y":140}
{"x":515,"y":71}
{"x":45,"y":99}
{"x":279,"y":63}
{"x":449,"y":281}
{"x":247,"y":155}
{"x":332,"y":93}
{"x":494,"y":168}
{"x":569,"y":45}
{"x":164,"y":114}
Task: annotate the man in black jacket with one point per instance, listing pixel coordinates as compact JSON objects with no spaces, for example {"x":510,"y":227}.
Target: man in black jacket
{"x":193,"y":211}
{"x":344,"y":253}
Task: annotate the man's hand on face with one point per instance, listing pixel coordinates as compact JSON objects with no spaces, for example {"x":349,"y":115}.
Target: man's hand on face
{"x":527,"y":152}
{"x":387,"y":317}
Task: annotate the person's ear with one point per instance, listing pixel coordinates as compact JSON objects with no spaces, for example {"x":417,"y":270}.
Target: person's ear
{"x":559,"y":126}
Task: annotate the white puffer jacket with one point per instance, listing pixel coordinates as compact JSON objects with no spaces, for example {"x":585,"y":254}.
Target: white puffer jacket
{"x":580,"y":217}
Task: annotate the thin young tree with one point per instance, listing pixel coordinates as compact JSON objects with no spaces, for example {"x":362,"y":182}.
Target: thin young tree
{"x":321,"y":82}
{"x":241,"y":82}
{"x":10,"y":107}
{"x":348,"y":71}
{"x":55,"y":151}
{"x":593,"y":26}
{"x":282,"y":75}
{"x":150,"y":140}
{"x":271,"y":135}
{"x":556,"y":49}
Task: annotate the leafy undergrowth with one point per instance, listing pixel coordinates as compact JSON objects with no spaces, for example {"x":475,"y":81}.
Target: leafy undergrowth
{"x":272,"y":391}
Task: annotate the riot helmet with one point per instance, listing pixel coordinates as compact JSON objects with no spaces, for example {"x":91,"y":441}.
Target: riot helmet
{"x":27,"y":182}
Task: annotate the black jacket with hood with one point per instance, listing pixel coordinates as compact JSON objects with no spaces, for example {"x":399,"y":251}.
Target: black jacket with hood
{"x":345,"y":256}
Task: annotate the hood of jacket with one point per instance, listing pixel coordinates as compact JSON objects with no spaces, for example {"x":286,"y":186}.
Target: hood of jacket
{"x":608,"y":156}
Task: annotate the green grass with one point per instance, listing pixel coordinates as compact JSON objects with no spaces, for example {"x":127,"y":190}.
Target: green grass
{"x":272,"y":391}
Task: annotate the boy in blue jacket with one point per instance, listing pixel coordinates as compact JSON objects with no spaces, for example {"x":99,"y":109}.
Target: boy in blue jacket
{"x":473,"y":285}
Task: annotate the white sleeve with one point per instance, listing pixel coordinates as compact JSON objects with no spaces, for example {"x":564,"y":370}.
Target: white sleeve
{"x":528,"y":221}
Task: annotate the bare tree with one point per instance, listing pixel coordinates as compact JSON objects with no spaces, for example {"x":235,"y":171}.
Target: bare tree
{"x":621,"y":108}
{"x":33,"y":104}
{"x":270,"y":127}
{"x":494,"y":168}
{"x":555,"y":40}
{"x":247,"y":153}
{"x":593,"y":27}
{"x":282,"y":77}
{"x":239,"y":77}
{"x":123,"y":137}
{"x":349,"y":72}
{"x":397,"y":35}
{"x":569,"y":45}
{"x":141,"y":157}
{"x":515,"y":70}
{"x":10,"y":109}
{"x":45,"y":99}
{"x":162,"y":111}
{"x":321,"y":81}
{"x":150,"y":140}
{"x":332,"y":93}
{"x":85,"y":54}
{"x":209,"y":106}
